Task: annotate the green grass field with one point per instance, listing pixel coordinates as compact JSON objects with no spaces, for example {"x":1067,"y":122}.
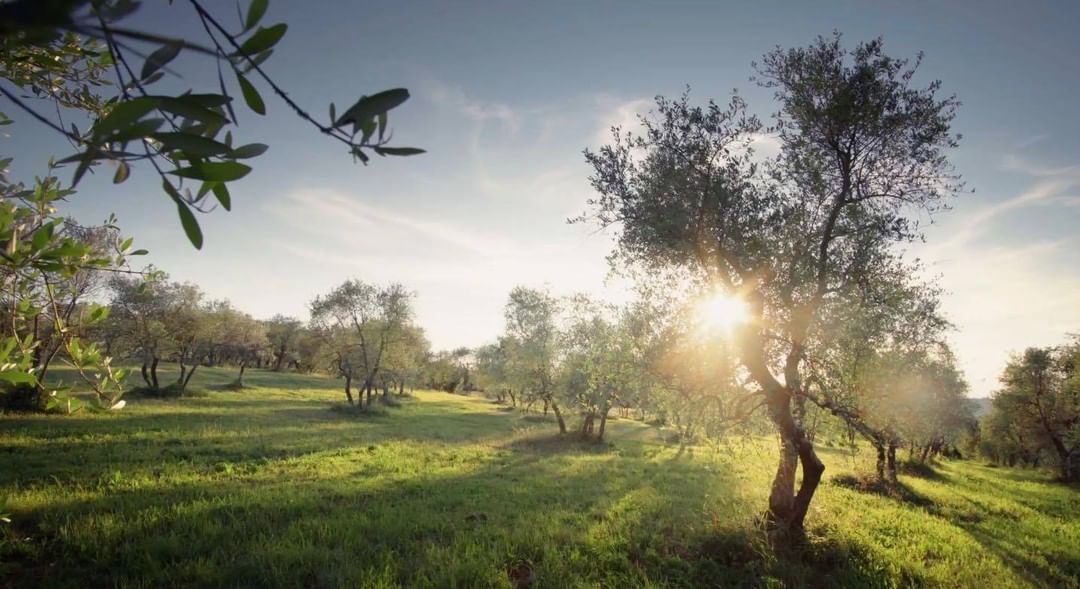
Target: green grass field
{"x":269,"y":487}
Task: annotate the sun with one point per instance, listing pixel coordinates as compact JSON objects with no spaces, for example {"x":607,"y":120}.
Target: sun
{"x":722,"y":311}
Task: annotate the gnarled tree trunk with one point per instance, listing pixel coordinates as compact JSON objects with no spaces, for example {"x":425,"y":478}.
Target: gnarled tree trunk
{"x":558,"y":416}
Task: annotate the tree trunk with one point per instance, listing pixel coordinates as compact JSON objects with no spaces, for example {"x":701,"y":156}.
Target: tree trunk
{"x":586,"y":425}
{"x":153,"y":373}
{"x":787,"y":509}
{"x":603,"y":425}
{"x":348,"y":389}
{"x":558,"y":415}
{"x":879,"y":467}
{"x":145,"y":373}
{"x":190,"y":374}
{"x":280,"y":360}
{"x":240,"y":377}
{"x":891,"y":462}
{"x":183,"y":371}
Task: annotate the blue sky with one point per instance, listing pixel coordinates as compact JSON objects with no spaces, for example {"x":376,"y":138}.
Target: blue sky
{"x":507,"y":94}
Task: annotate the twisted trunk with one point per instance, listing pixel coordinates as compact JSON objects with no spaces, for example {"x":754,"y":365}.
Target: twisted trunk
{"x":603,"y":424}
{"x":558,"y":415}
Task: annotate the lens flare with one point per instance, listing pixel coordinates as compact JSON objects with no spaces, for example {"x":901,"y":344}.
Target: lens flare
{"x":721,"y":311}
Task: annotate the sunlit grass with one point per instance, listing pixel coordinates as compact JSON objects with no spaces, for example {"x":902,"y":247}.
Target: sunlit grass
{"x":268,"y":487}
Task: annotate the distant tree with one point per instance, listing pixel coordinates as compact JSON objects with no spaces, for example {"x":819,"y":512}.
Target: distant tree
{"x":188,"y":327}
{"x":238,"y":338}
{"x":463,"y":358}
{"x":531,"y":317}
{"x":1037,"y":409}
{"x":605,"y":353}
{"x":283,"y":333}
{"x":493,"y":372}
{"x":874,"y":362}
{"x":361,"y":323}
{"x":403,"y":360}
{"x":862,"y":153}
{"x":139,"y":308}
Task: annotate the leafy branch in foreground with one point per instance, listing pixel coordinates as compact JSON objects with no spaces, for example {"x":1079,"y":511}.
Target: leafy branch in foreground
{"x":184,"y":137}
{"x":49,"y":272}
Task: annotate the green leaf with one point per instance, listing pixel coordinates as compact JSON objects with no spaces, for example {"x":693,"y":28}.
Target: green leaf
{"x":263,"y":39}
{"x":136,"y":130}
{"x":17,"y":377}
{"x":208,"y":100}
{"x":191,"y":107}
{"x":139,"y":253}
{"x":255,"y":12}
{"x":255,"y":61}
{"x":187,"y":218}
{"x":41,"y":237}
{"x":190,"y":144}
{"x":402,"y":151}
{"x":251,"y":95}
{"x":221,"y":191}
{"x":126,"y":243}
{"x":248,"y":151}
{"x":368,"y":107}
{"x":159,"y":58}
{"x":214,"y":171}
{"x":124,"y":114}
{"x":123,"y":170}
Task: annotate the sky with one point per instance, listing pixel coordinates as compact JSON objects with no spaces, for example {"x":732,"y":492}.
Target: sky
{"x":506,"y":95}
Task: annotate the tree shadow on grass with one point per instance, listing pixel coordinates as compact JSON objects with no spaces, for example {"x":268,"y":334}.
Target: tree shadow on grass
{"x":898,"y":491}
{"x":922,"y":470}
{"x":574,"y":510}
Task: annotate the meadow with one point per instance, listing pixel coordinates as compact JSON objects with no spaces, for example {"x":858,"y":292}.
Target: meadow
{"x":270,"y":487}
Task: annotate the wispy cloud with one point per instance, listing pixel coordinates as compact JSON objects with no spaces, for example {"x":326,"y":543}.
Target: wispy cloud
{"x":617,"y":113}
{"x":455,"y":98}
{"x":1005,"y":293}
{"x":459,"y":270}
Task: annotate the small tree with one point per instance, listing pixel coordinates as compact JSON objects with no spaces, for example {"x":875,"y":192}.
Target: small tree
{"x":531,"y":323}
{"x":361,"y":323}
{"x":1037,"y":409}
{"x":283,"y":334}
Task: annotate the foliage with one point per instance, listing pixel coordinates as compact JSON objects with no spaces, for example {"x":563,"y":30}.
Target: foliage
{"x":863,"y":152}
{"x":1036,"y":414}
{"x":62,"y":50}
{"x":362,"y":326}
{"x":50,"y":267}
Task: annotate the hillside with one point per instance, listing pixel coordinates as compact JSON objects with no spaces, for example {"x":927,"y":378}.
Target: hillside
{"x":269,"y":487}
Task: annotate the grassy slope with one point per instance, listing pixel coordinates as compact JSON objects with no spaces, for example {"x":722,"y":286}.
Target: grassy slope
{"x":267,"y":487}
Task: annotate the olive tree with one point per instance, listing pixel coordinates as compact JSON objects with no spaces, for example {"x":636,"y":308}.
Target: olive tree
{"x":863,"y":151}
{"x":1037,"y":409}
{"x":362,"y":323}
{"x":531,"y":321}
{"x":283,"y":334}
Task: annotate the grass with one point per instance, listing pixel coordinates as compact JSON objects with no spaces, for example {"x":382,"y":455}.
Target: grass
{"x":269,"y":487}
